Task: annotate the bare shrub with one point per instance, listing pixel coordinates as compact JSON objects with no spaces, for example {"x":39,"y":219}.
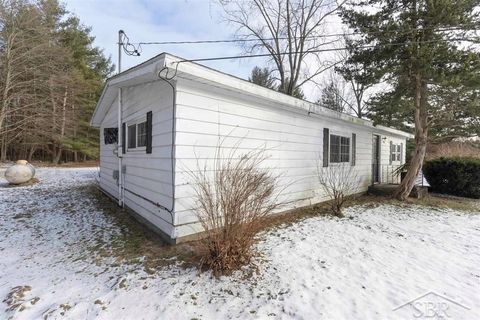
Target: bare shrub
{"x":338,"y":182}
{"x":233,"y":199}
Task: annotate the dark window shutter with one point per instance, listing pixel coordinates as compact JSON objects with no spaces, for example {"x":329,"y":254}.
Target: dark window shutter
{"x":401,"y":152}
{"x":124,"y":142}
{"x":149,"y":132}
{"x":354,"y":149}
{"x":391,"y":152}
{"x":326,"y":135}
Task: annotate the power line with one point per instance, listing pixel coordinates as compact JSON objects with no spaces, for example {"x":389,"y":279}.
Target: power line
{"x":135,"y":48}
{"x":287,"y":53}
{"x":457,"y":28}
{"x":307,"y":51}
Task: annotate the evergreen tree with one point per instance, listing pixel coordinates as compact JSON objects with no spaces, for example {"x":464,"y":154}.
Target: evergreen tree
{"x":331,"y":97}
{"x":50,"y":79}
{"x":262,"y":77}
{"x":297,"y":91}
{"x":419,"y":47}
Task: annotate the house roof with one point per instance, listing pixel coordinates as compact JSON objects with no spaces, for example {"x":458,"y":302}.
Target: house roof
{"x":181,"y":68}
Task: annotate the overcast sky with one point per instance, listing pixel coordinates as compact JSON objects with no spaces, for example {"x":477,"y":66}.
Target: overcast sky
{"x":165,"y":20}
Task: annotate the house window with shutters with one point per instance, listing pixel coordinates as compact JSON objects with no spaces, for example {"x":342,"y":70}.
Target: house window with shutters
{"x":396,"y":152}
{"x":339,"y":149}
{"x":137,"y":135}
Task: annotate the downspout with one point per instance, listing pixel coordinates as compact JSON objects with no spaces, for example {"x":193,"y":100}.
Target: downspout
{"x":121,"y":190}
{"x":168,"y":80}
{"x":119,"y":149}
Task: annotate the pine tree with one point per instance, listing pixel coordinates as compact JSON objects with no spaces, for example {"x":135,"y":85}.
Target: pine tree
{"x":262,"y":77}
{"x":417,"y":47}
{"x":331,"y":97}
{"x":50,"y":79}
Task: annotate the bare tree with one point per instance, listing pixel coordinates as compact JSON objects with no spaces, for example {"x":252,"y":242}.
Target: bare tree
{"x":19,"y":49}
{"x":338,"y":182}
{"x":50,"y":75}
{"x":289,"y":30}
{"x":234,"y":194}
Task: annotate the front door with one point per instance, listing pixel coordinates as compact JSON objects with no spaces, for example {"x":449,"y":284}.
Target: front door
{"x":376,"y":159}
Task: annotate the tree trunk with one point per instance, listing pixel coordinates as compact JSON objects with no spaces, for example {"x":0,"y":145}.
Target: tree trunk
{"x":31,"y":152}
{"x":421,"y":132}
{"x":56,"y":154}
{"x":3,"y":149}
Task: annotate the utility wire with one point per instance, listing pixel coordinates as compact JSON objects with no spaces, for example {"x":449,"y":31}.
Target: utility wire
{"x":457,"y":28}
{"x":309,"y":51}
{"x":129,"y":48}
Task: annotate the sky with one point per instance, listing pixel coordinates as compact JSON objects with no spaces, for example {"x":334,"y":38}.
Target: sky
{"x":167,"y":20}
{"x":164,"y":20}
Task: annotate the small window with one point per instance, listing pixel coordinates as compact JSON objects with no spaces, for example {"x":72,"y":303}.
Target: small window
{"x":396,"y":152}
{"x":110,"y":135}
{"x":132,"y":136}
{"x":142,"y":134}
{"x":339,"y":149}
{"x":137,"y":135}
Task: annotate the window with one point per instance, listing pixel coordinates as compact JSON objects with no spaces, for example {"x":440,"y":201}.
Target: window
{"x":142,"y":134}
{"x":396,"y":152}
{"x":110,"y":135}
{"x":339,"y":149}
{"x":132,"y":136}
{"x":137,"y":135}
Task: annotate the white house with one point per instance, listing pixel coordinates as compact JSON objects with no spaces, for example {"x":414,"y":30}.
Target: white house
{"x":171,"y":112}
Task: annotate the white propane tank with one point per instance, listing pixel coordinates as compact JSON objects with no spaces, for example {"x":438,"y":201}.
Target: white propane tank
{"x":20,"y":172}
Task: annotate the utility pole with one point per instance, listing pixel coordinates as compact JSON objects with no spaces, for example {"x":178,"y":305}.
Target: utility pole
{"x":120,"y":44}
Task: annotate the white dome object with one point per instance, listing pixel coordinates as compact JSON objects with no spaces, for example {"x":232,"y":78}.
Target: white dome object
{"x":20,"y":172}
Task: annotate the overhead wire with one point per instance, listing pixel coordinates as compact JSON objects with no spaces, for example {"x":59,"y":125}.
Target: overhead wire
{"x":457,"y":28}
{"x":137,"y":47}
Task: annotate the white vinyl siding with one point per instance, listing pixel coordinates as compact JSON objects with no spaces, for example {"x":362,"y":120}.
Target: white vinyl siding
{"x":294,"y":144}
{"x":149,"y":176}
{"x":206,"y":115}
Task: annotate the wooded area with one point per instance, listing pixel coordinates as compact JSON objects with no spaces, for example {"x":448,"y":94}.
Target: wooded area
{"x":51,"y":76}
{"x":425,"y":53}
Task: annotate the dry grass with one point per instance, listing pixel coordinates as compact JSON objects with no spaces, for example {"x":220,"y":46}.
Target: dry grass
{"x":46,"y":164}
{"x":431,"y":200}
{"x":135,"y":243}
{"x":452,"y":149}
{"x":233,"y":198}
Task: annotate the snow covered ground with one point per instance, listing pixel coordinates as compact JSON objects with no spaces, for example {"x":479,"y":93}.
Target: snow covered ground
{"x":361,"y":267}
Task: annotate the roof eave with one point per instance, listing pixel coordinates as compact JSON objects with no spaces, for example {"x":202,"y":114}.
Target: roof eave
{"x":144,"y":72}
{"x":395,"y":132}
